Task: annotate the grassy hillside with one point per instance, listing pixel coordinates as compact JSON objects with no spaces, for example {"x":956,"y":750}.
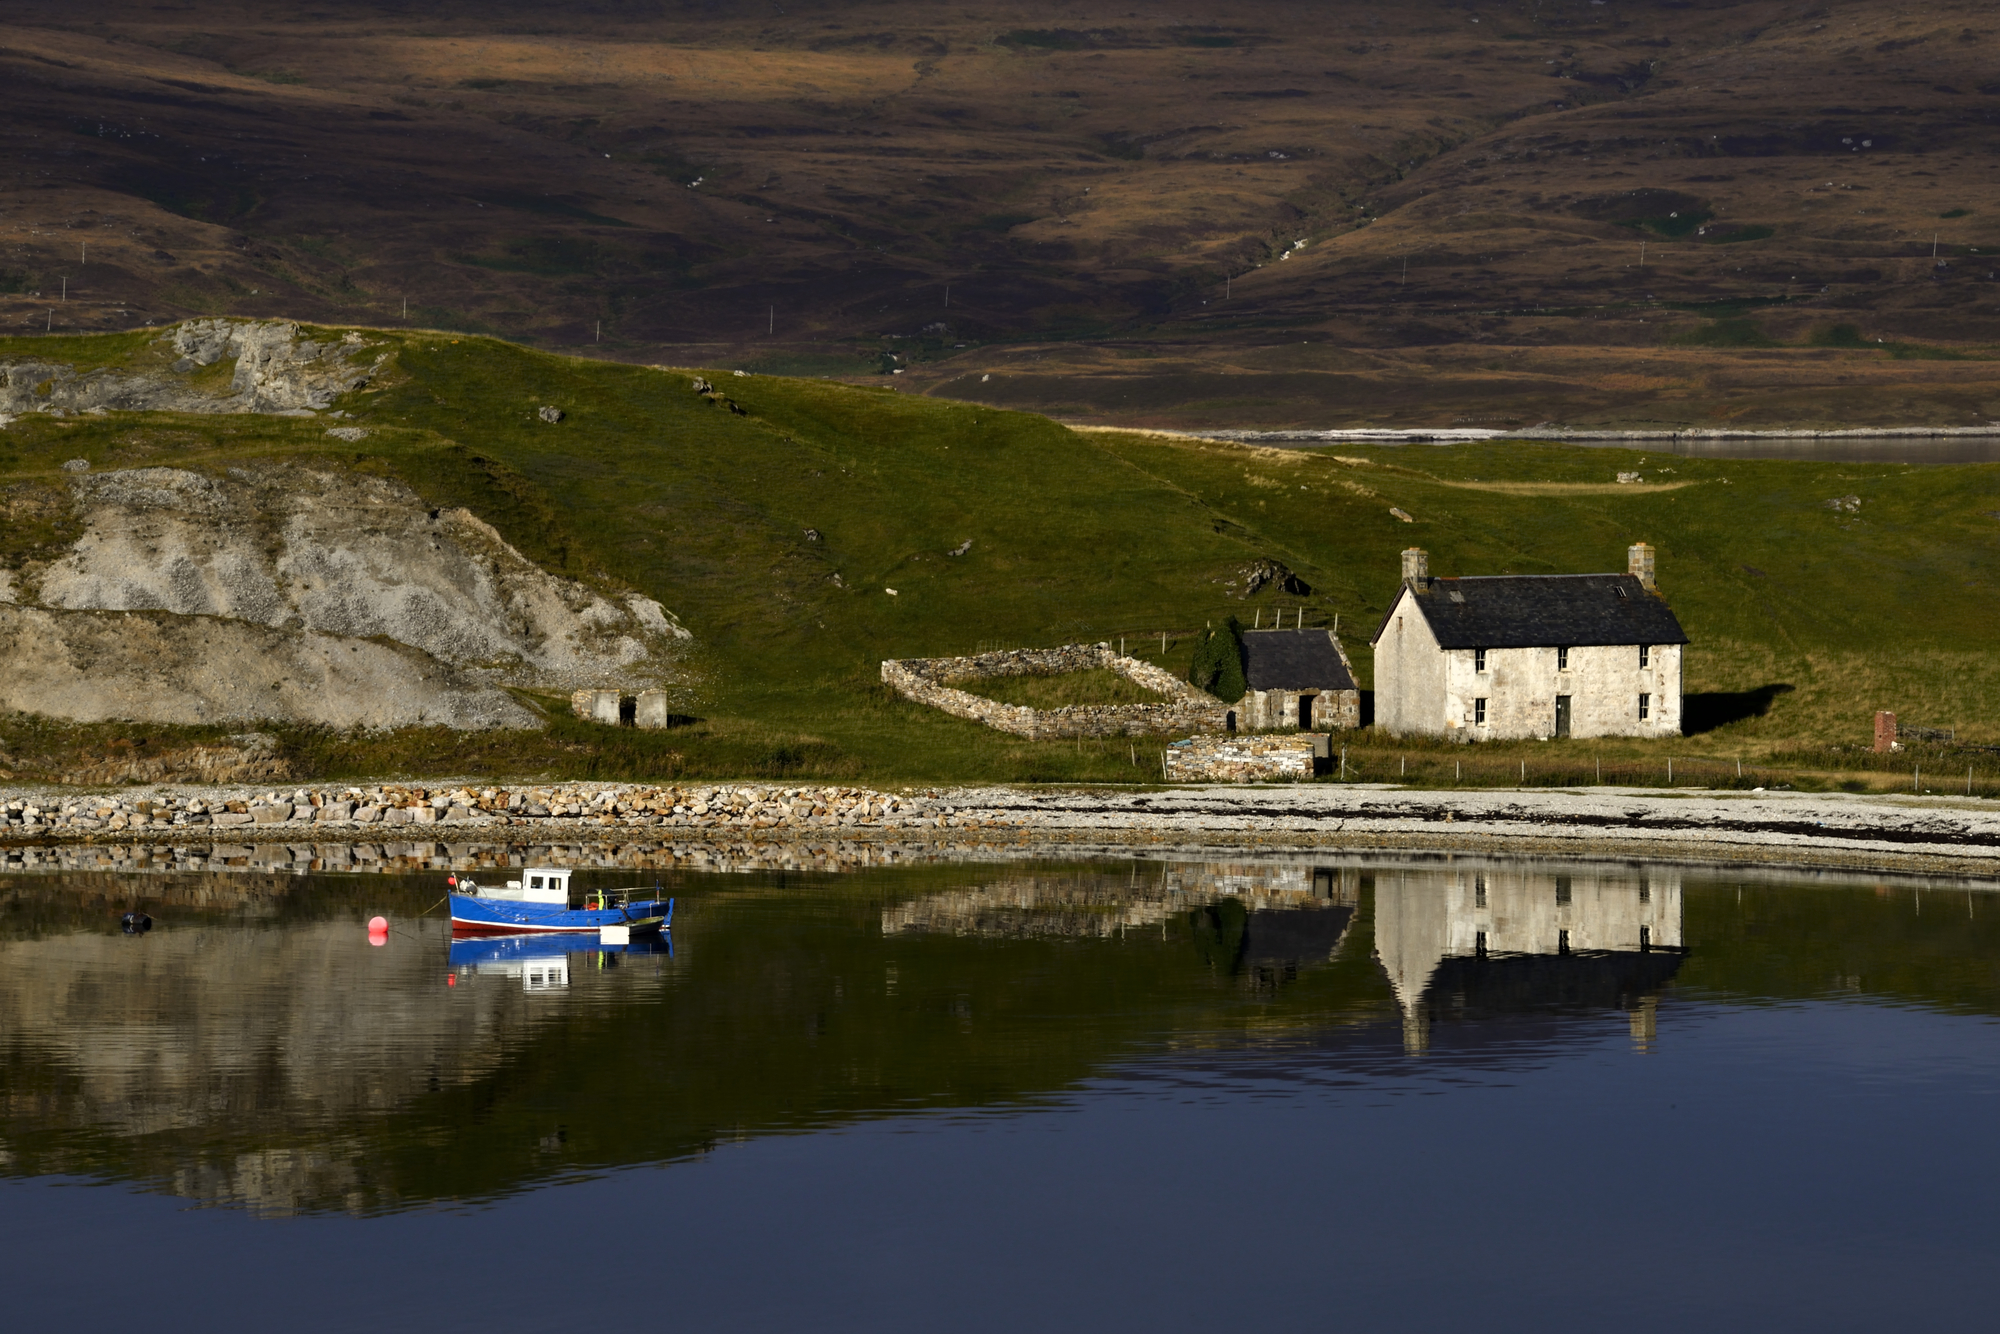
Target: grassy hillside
{"x":777,"y":531}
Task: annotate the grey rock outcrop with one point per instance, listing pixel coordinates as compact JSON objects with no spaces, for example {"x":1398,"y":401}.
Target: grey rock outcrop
{"x":339,"y":597}
{"x":91,"y":667}
{"x":277,"y":371}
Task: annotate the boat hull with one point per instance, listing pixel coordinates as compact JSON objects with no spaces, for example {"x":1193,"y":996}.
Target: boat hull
{"x":472,"y":916}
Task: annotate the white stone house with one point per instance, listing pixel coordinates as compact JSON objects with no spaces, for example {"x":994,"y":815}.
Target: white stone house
{"x":1500,"y":657}
{"x":1297,"y":678}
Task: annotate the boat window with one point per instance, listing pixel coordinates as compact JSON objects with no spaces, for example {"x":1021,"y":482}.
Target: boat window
{"x":534,"y":882}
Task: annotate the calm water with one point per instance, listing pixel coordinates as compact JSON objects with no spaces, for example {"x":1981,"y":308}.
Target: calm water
{"x":1366,"y":1094}
{"x":1843,"y":449}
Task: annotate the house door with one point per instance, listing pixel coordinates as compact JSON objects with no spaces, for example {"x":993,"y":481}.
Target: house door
{"x":1305,"y":713}
{"x":1562,"y":715}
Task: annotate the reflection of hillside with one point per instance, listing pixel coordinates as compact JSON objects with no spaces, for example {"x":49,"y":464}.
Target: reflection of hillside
{"x":245,"y":1035}
{"x":1026,"y":904}
{"x":1507,"y":938}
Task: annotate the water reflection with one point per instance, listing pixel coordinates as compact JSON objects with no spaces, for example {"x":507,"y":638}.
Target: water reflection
{"x":542,"y":962}
{"x":253,"y":1048}
{"x":1494,"y":939}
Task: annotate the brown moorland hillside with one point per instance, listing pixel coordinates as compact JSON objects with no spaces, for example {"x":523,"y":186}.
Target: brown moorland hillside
{"x":1269,"y":212}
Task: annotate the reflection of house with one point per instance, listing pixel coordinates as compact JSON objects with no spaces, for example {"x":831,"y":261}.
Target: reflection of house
{"x":1297,"y":678}
{"x":1513,"y":939}
{"x":1518,"y":656}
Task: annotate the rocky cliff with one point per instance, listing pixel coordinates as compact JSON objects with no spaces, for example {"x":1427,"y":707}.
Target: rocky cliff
{"x":276,"y":590}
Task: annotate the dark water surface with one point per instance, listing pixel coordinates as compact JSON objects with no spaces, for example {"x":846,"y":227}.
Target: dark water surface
{"x":1821,"y":449}
{"x":1365,"y":1093}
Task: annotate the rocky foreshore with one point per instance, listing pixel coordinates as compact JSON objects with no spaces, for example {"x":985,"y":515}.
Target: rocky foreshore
{"x":1952,"y":835}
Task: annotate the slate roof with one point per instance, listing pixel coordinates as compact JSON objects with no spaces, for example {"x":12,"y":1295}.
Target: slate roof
{"x":1541,"y":611}
{"x":1294,"y":660}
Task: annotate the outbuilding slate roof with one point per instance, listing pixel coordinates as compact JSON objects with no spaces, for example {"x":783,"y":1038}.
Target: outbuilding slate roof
{"x":1540,"y":611}
{"x":1294,"y":660}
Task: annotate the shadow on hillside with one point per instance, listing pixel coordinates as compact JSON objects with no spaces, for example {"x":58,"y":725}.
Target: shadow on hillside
{"x":1718,"y":708}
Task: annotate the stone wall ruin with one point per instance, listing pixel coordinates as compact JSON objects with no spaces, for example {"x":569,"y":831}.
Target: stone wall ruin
{"x":929,"y":681}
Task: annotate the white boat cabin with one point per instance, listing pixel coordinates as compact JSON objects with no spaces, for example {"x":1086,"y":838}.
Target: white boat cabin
{"x":538,"y":884}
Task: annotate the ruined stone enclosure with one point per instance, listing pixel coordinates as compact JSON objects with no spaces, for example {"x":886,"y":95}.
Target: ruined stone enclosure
{"x":931,"y":681}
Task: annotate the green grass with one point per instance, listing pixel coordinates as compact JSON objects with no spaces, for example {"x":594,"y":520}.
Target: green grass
{"x":1755,"y":231}
{"x":1847,"y":335}
{"x":1674,"y":225}
{"x":1099,"y":685}
{"x":1047,"y":39}
{"x":1726,"y":333}
{"x":1082,"y":538}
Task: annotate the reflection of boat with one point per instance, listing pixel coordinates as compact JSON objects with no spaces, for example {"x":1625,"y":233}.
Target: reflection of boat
{"x":542,"y":961}
{"x":539,"y":902}
{"x":484,"y":951}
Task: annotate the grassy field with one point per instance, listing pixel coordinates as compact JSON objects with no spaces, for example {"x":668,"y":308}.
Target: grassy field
{"x":1098,"y":686}
{"x":1806,"y":617}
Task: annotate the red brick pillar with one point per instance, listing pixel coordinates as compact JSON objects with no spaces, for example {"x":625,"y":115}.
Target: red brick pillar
{"x":1885,"y":731}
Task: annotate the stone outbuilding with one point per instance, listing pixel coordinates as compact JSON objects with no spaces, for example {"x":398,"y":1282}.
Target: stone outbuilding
{"x":1498,"y":657}
{"x":1297,"y":678}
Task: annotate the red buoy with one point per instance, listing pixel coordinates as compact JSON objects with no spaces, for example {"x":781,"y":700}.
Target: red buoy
{"x":378,"y":931}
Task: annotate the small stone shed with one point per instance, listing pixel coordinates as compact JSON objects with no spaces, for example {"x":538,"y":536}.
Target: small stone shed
{"x":1519,"y":657}
{"x":649,"y":708}
{"x":1297,"y":678}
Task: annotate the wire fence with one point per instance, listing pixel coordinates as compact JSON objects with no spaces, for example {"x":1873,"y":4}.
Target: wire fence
{"x":1936,"y":775}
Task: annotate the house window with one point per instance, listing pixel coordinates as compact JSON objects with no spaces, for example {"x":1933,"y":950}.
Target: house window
{"x":1479,"y":943}
{"x":1562,"y":659}
{"x":1645,"y":707}
{"x":1645,"y":656}
{"x":1645,"y":939}
{"x":1562,"y":942}
{"x":1479,"y":712}
{"x":1562,"y":889}
{"x":1479,"y":660}
{"x":1479,"y":891}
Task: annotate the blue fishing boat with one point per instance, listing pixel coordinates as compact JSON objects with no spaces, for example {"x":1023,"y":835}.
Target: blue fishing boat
{"x":540,"y":902}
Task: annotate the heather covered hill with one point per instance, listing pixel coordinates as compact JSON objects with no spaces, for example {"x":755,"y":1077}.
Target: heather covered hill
{"x":1453,"y":192}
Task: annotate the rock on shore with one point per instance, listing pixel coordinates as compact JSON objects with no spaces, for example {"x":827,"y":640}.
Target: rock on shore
{"x":1953,"y":835}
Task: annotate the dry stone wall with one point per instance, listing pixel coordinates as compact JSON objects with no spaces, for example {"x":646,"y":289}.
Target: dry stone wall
{"x":929,"y":681}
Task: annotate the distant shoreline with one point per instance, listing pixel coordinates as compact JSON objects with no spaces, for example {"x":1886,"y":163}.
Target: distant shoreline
{"x":1471,"y":434}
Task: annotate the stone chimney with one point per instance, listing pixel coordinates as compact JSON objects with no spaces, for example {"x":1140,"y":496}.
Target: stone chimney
{"x":1639,"y":561}
{"x":1416,"y":565}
